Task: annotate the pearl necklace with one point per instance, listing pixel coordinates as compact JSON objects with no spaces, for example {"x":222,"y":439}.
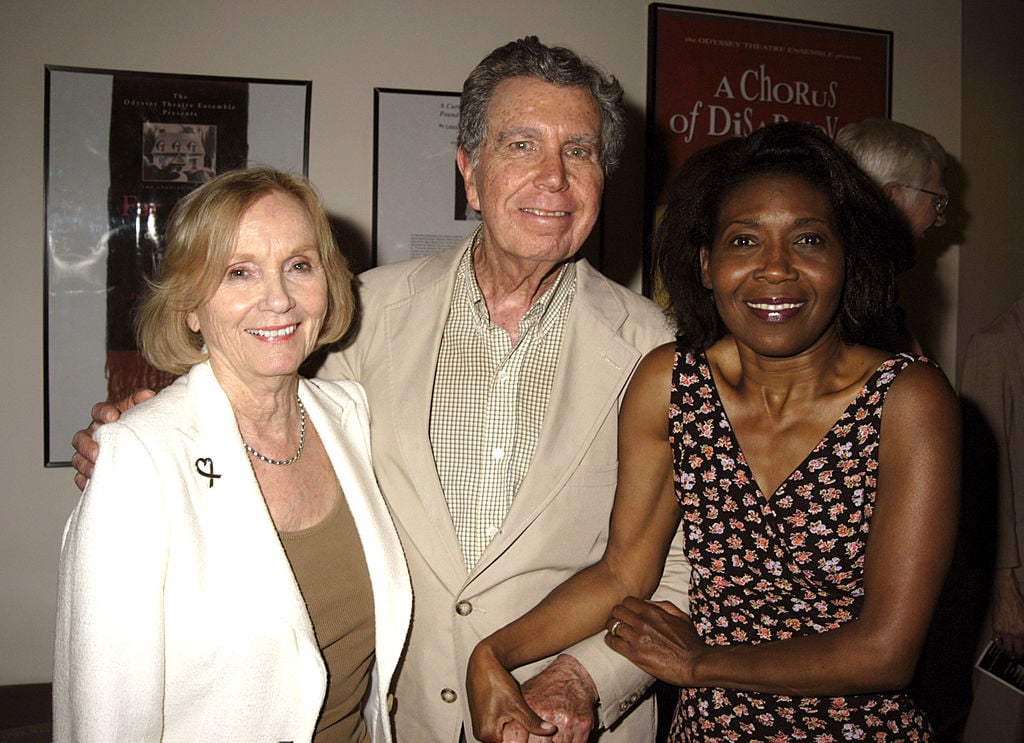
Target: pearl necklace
{"x":302,"y":441}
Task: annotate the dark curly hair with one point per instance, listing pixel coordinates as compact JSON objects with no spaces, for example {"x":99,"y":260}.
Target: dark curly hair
{"x":874,"y":237}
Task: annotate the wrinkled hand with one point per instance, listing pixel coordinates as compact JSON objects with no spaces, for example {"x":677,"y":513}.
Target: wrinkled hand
{"x":657,"y":637}
{"x":86,"y":448}
{"x":499,"y":711}
{"x":1008,"y":614}
{"x":565,"y":694}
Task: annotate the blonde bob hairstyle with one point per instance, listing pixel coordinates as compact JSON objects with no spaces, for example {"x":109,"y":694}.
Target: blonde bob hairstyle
{"x":201,"y":236}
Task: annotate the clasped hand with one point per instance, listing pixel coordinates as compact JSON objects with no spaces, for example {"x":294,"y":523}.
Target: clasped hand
{"x":657,"y":637}
{"x":503,"y":712}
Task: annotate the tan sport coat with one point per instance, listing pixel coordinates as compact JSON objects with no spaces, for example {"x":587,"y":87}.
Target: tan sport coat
{"x":558,"y":523}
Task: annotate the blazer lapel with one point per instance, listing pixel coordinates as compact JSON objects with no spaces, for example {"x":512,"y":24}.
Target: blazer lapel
{"x":244,"y":529}
{"x":346,"y":439}
{"x":413,"y":329}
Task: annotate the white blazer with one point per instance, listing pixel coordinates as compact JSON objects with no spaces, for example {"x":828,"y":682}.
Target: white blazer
{"x":178,"y":616}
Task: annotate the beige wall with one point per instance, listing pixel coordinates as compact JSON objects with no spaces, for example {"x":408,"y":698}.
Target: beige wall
{"x":992,"y":269}
{"x":346,"y":48}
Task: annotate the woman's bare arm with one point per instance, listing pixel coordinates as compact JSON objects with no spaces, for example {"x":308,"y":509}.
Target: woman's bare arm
{"x":643,"y":521}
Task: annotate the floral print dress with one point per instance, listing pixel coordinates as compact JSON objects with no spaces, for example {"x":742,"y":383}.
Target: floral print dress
{"x":772,"y":569}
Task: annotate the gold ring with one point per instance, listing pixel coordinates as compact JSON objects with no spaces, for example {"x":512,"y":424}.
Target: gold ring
{"x":615,"y":626}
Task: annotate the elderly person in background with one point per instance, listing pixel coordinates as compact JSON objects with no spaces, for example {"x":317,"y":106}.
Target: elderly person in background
{"x":907,"y":164}
{"x":494,"y":372}
{"x":232,"y":572}
{"x":816,"y":473}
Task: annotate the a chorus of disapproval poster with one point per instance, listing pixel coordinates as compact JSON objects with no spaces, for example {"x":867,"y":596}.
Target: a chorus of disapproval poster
{"x":715,"y":75}
{"x":122,"y":148}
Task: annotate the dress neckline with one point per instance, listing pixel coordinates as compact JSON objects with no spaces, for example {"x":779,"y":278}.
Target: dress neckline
{"x":802,"y":465}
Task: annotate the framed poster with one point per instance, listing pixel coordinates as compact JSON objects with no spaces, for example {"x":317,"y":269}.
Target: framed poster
{"x":419,"y":201}
{"x":121,"y":148}
{"x":714,"y":75}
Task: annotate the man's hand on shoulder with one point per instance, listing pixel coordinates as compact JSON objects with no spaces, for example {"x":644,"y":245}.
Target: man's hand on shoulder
{"x":565,"y":694}
{"x":85,"y":446}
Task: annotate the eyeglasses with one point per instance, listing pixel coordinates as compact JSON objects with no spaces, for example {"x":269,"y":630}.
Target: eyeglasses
{"x":939,"y":203}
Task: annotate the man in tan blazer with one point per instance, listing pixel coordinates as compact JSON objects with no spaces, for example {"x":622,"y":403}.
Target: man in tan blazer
{"x":438,"y":339}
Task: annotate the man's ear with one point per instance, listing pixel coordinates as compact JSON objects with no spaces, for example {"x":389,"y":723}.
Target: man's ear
{"x":891,"y":189}
{"x":468,"y":171}
{"x":705,"y":269}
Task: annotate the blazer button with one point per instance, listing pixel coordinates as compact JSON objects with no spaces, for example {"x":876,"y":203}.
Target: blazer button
{"x":448,"y":695}
{"x":464,"y":608}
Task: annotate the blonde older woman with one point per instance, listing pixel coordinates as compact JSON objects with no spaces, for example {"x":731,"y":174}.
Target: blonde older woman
{"x":232,"y":572}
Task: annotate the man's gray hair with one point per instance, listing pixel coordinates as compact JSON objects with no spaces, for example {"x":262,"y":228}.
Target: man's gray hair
{"x":891,"y":152}
{"x":528,"y":57}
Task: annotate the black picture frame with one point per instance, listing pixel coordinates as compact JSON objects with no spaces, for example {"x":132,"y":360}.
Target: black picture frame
{"x":419,"y":201}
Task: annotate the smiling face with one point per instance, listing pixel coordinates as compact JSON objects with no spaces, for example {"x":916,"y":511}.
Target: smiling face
{"x":264,"y":319}
{"x":776,"y":266}
{"x":538,"y":179}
